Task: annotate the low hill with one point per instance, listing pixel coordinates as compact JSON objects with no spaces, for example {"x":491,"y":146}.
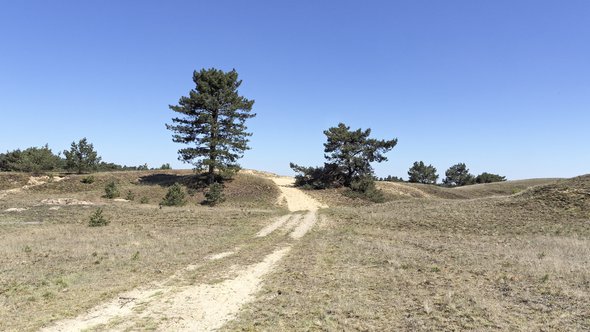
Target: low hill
{"x":417,"y":190}
{"x":567,"y":195}
{"x":244,"y":190}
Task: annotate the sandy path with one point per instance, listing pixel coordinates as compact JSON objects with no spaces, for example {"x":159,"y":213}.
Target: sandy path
{"x":201,"y":307}
{"x":297,"y":200}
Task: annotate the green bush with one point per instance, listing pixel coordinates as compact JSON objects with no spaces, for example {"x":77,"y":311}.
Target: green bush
{"x":97,"y":219}
{"x":111,"y":190}
{"x":364,"y":188}
{"x":327,"y":176}
{"x":214,"y":194}
{"x":144,"y":200}
{"x":88,"y":179}
{"x":130,"y":196}
{"x":175,"y":196}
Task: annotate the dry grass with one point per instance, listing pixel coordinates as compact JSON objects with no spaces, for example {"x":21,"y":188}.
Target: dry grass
{"x":484,"y":260}
{"x":498,"y":263}
{"x":54,"y":266}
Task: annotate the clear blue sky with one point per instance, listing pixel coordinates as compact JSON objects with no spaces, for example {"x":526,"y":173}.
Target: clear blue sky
{"x":502,"y":85}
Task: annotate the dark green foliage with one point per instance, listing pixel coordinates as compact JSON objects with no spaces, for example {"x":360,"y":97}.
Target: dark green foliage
{"x":489,"y":178}
{"x":97,"y":219}
{"x":82,"y":157}
{"x":33,"y":160}
{"x":390,"y":178}
{"x":130,"y":196}
{"x":175,"y":196}
{"x":458,"y":175}
{"x":214,"y":194}
{"x":165,"y":166}
{"x":212,"y":118}
{"x":111,"y":190}
{"x":143,"y":167}
{"x":420,"y":173}
{"x":328,"y":176}
{"x":364,"y":188}
{"x":88,"y":179}
{"x":350,"y":154}
{"x":353,"y":151}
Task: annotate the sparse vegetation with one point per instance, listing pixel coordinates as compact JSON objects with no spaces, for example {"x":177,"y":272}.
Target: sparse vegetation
{"x":437,"y":264}
{"x":96,"y":263}
{"x":175,"y":196}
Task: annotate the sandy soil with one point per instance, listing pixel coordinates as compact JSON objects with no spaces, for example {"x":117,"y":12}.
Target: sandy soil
{"x":200,"y":307}
{"x":33,"y":182}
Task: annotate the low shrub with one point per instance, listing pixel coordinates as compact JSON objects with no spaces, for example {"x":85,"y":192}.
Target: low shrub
{"x":88,"y":179}
{"x":364,"y":188}
{"x":175,"y":196}
{"x":214,"y":194}
{"x":97,"y":219}
{"x":130,"y":196}
{"x":111,"y":190}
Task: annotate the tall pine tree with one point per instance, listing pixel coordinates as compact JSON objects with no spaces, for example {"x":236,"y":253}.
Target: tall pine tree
{"x":212,"y":118}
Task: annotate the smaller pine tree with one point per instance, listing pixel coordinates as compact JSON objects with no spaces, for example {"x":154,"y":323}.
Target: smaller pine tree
{"x":175,"y":196}
{"x":111,"y":190}
{"x":97,"y":219}
{"x":214,"y":194}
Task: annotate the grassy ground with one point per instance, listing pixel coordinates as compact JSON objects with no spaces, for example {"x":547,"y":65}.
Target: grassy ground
{"x":52,"y":265}
{"x":497,"y":263}
{"x":477,"y":258}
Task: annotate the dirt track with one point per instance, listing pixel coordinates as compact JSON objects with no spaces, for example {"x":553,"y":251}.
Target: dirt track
{"x":201,"y":307}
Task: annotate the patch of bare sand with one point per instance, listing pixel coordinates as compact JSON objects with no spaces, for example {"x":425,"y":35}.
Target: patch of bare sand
{"x":274,"y":226}
{"x":297,"y":200}
{"x":204,"y":307}
{"x":208,"y":307}
{"x":304,"y":226}
{"x":64,"y":201}
{"x":220,"y":255}
{"x":15,"y":210}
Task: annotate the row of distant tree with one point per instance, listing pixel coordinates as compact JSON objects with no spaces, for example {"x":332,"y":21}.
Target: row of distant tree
{"x":456,"y":175}
{"x":80,"y":158}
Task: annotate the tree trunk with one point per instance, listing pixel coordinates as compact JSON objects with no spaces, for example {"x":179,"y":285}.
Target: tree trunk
{"x":213,"y":147}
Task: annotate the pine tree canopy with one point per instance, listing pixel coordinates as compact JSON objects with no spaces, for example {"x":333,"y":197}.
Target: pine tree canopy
{"x":353,"y":151}
{"x":212,"y":119}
